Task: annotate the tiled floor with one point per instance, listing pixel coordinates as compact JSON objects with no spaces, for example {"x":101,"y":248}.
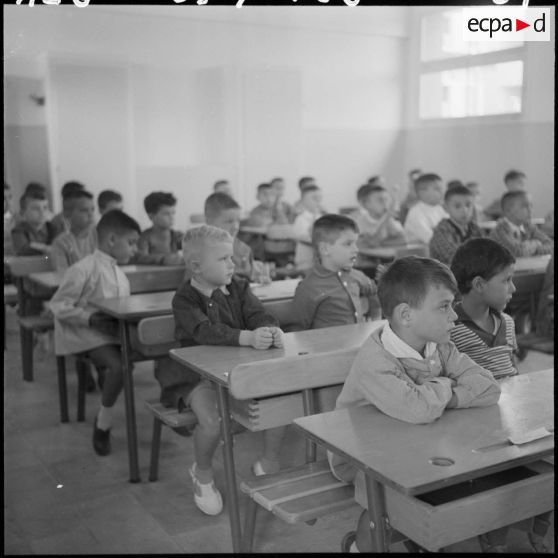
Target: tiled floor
{"x":61,"y":498}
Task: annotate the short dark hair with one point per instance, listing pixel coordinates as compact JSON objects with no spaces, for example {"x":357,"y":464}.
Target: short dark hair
{"x":276,"y":179}
{"x":35,"y":187}
{"x":374,"y":178}
{"x":513,"y":174}
{"x":31,"y":195}
{"x":216,"y":203}
{"x":304,"y":181}
{"x":368,"y":189}
{"x":424,"y":179}
{"x":408,"y":280}
{"x":117,"y":222}
{"x":107,"y":196}
{"x":263,"y":186}
{"x":219,"y":183}
{"x":71,"y":186}
{"x":71,"y":197}
{"x":479,"y":257}
{"x":154,"y":201}
{"x":308,"y":189}
{"x":457,"y":190}
{"x":509,"y":197}
{"x":328,"y":228}
{"x":454,"y":183}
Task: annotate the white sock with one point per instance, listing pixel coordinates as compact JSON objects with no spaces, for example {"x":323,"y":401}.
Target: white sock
{"x":104,"y":418}
{"x":354,"y":547}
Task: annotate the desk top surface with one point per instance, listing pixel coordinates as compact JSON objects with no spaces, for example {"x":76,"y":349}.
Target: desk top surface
{"x":532,"y":264}
{"x":390,"y":252}
{"x":145,"y":305}
{"x":216,"y":362}
{"x":489,"y":225}
{"x":399,"y":454}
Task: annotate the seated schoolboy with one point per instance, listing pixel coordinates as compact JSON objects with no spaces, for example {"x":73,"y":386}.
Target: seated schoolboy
{"x":427,"y":212}
{"x":81,"y":238}
{"x":33,"y":234}
{"x":375,"y":218}
{"x":9,"y":221}
{"x":333,"y":292}
{"x":223,"y":212}
{"x":283,"y":211}
{"x":515,"y":181}
{"x":409,"y":369}
{"x":478,"y":211}
{"x":411,"y":197}
{"x":214,"y":307}
{"x":223,"y":187}
{"x":302,"y":183}
{"x":77,"y":326}
{"x":311,"y":199}
{"x":59,"y":221}
{"x":459,"y":227}
{"x":484,"y":271}
{"x":160,"y":244}
{"x":109,"y":199}
{"x":265,"y":214}
{"x":514,"y":229}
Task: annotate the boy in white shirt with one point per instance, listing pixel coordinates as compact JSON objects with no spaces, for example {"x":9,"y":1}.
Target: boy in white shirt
{"x":428,"y":211}
{"x":311,"y":202}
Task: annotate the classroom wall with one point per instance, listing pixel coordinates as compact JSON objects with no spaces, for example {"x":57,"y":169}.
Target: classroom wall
{"x":209,"y":99}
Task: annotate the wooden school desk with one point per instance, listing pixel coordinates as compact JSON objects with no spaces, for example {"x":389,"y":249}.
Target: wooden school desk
{"x":215,"y":363}
{"x":488,"y":226}
{"x":388,"y":253}
{"x":403,"y":461}
{"x":130,"y":310}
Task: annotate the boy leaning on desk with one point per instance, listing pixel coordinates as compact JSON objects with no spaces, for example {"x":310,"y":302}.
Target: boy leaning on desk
{"x":409,"y":369}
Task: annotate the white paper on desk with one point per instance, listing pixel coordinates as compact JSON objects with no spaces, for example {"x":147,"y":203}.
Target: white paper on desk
{"x":525,"y":437}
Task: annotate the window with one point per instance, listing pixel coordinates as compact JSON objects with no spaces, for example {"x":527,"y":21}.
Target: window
{"x":466,"y":79}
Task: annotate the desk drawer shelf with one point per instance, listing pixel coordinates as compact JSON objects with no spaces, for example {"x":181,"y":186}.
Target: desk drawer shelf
{"x":456,"y":513}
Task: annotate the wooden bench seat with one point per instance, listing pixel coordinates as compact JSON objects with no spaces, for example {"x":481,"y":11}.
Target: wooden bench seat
{"x":28,"y":325}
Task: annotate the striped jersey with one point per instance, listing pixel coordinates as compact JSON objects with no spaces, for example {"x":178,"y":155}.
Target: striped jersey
{"x":493,"y":351}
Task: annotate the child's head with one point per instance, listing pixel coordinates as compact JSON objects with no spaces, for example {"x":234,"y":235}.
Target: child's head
{"x":7,"y":197}
{"x":305,"y":181}
{"x":70,"y":187}
{"x":278,"y":184}
{"x":484,"y":269}
{"x":516,"y":206}
{"x":429,"y":188}
{"x":118,"y":235}
{"x":458,"y":202}
{"x":161,"y":208}
{"x":36,"y":187}
{"x":108,"y":200}
{"x":334,"y":239}
{"x":377,"y":180}
{"x":223,"y":212}
{"x":79,"y":209}
{"x":33,"y":206}
{"x":374,"y":199}
{"x":474,"y":188}
{"x":416,"y":296}
{"x":223,"y":187}
{"x":208,"y":255}
{"x":266,"y":195}
{"x":311,"y":198}
{"x":515,"y":180}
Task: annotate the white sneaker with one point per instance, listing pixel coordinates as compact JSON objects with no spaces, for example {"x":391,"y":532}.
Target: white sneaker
{"x":207,"y":497}
{"x":257,"y":469}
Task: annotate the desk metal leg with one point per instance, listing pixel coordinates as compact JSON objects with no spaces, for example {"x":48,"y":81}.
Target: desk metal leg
{"x":377,"y":512}
{"x":128,"y":381}
{"x":230,"y":475}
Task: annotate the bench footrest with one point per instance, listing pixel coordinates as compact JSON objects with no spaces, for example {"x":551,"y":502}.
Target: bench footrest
{"x":170,"y":416}
{"x":301,"y":493}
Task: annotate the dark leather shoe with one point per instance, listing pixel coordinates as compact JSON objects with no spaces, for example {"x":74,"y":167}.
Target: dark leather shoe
{"x":101,"y":440}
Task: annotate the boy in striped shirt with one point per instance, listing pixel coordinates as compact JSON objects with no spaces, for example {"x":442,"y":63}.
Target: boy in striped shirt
{"x":484,"y":270}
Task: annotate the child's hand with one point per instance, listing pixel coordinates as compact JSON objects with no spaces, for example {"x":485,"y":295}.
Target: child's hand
{"x":172,"y":259}
{"x":262,"y":338}
{"x":277,"y":337}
